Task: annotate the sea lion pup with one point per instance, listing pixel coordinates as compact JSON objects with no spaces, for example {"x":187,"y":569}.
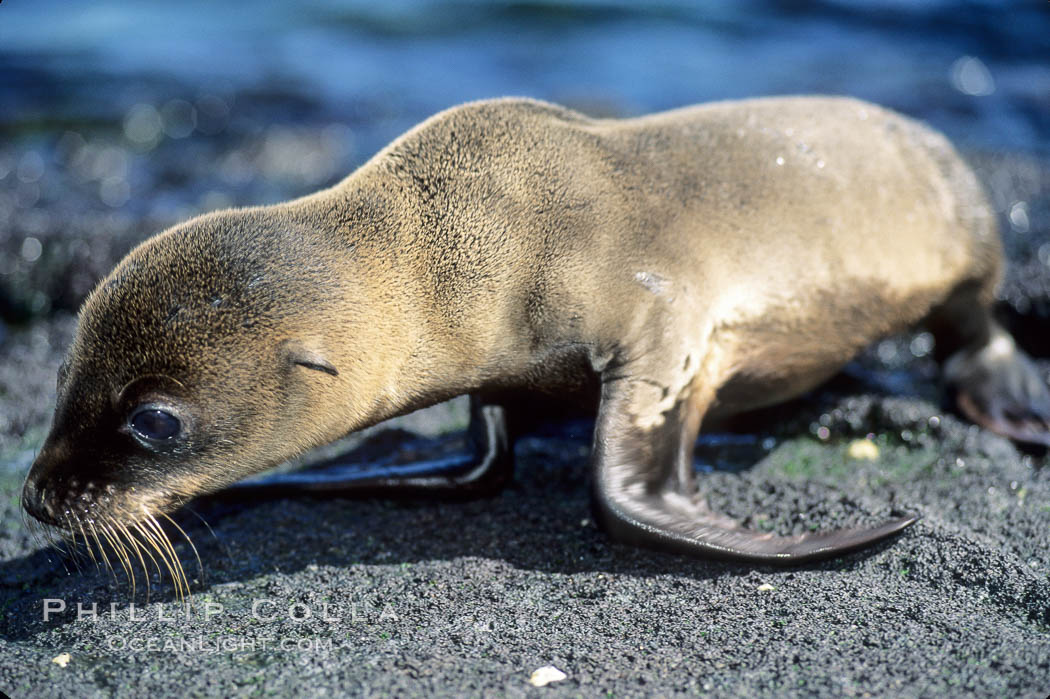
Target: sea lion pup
{"x":691,"y":264}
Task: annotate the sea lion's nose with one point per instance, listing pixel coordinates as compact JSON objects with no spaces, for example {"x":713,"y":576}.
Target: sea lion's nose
{"x":34,"y":500}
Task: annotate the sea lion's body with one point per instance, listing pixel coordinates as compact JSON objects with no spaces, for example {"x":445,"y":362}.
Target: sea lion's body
{"x":683,"y":265}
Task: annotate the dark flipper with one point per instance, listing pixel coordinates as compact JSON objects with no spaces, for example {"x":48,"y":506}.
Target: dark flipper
{"x":460,"y":476}
{"x":994,"y":383}
{"x":998,"y":387}
{"x":645,"y":492}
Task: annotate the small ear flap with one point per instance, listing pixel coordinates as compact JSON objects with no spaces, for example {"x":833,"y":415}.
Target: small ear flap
{"x":311,"y":359}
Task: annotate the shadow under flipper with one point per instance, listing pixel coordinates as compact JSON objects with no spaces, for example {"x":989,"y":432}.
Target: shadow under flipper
{"x":398,"y":464}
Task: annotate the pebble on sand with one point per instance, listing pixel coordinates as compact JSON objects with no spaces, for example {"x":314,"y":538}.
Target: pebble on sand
{"x":545,"y":675}
{"x":863,"y":449}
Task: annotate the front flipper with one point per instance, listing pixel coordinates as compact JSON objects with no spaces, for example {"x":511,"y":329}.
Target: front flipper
{"x":645,"y":490}
{"x":483,"y":473}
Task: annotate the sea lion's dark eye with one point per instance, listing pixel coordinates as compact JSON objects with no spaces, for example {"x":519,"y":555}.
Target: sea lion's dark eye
{"x":155,"y":424}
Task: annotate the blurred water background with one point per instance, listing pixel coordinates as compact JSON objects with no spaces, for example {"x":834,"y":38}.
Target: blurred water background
{"x":119,"y":115}
{"x":118,"y":119}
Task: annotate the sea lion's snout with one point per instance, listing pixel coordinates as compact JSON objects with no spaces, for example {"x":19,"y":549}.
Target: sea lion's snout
{"x":66,"y":504}
{"x":99,"y":499}
{"x":41,"y":485}
{"x":35,"y":503}
{"x":61,"y":494}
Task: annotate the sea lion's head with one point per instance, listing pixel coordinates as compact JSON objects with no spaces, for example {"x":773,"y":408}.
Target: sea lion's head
{"x":202,"y":358}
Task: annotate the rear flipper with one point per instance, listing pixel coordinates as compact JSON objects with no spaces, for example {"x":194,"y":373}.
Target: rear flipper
{"x":998,"y":387}
{"x":645,"y":494}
